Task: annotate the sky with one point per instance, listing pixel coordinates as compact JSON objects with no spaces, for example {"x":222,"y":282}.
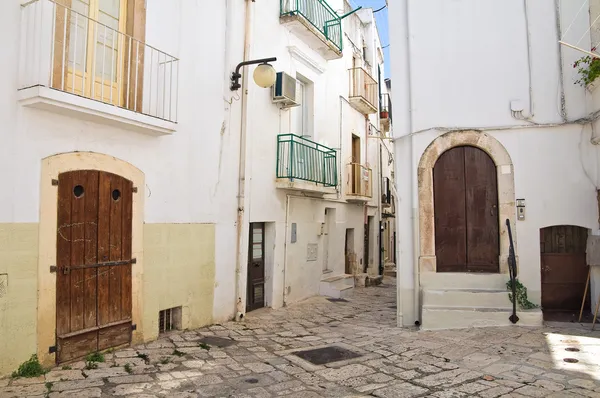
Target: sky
{"x":382,"y":25}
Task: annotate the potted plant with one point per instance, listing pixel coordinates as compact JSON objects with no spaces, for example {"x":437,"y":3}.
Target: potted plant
{"x":384,"y":114}
{"x":589,"y":70}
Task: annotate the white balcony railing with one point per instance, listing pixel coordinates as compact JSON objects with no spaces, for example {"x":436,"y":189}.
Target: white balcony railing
{"x":63,"y":49}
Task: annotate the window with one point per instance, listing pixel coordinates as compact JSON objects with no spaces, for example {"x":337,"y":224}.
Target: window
{"x":302,"y":115}
{"x":98,"y":50}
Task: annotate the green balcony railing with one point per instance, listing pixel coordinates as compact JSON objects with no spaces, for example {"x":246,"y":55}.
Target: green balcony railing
{"x":319,"y":14}
{"x":302,"y":159}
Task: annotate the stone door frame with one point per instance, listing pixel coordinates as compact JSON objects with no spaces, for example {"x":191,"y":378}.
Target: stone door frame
{"x":506,"y":192}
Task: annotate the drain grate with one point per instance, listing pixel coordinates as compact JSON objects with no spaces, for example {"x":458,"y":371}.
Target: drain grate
{"x":325,"y":355}
{"x":219,"y":342}
{"x":337,"y":300}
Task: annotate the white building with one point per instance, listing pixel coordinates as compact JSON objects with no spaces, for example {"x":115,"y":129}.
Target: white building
{"x":133,"y":173}
{"x":490,"y":124}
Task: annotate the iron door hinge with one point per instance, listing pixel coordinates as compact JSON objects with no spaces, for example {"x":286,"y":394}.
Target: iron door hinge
{"x":54,"y":182}
{"x":133,"y":326}
{"x":52,"y":349}
{"x":134,"y":189}
{"x":53,"y":268}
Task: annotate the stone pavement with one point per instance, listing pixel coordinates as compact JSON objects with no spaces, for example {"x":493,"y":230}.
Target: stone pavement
{"x":256,"y":358}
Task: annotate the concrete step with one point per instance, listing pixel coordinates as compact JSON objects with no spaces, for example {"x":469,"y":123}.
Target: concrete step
{"x":470,"y":298}
{"x":338,"y":286}
{"x":451,"y":280}
{"x":437,"y":318}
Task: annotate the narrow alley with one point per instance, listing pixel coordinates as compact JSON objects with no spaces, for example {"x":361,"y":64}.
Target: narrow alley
{"x":273,"y":353}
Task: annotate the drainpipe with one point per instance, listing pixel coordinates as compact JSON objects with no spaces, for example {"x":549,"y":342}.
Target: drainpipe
{"x":380,"y":212}
{"x":242,"y":228}
{"x":406,"y":202}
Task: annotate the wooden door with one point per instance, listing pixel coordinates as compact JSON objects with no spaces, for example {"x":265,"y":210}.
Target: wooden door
{"x":466,"y":211}
{"x":256,"y":267}
{"x":355,"y":169}
{"x":93,"y":273}
{"x":564,"y":267}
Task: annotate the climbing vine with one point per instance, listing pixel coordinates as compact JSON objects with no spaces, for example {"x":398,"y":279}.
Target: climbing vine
{"x":521,"y":293}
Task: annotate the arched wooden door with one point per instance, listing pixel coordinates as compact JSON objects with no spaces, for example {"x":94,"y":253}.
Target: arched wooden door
{"x":564,"y":267}
{"x":465,"y":192}
{"x":93,"y":263}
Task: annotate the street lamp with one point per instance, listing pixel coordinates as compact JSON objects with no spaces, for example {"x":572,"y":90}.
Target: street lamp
{"x":264,"y":74}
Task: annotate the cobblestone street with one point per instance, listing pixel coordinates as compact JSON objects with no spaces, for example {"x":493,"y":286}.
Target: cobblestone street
{"x":257,"y":358}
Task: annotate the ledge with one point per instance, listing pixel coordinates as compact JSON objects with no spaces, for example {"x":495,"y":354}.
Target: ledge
{"x":362,"y":105}
{"x":299,"y":185}
{"x":357,"y":198}
{"x":302,"y":28}
{"x":68,"y":104}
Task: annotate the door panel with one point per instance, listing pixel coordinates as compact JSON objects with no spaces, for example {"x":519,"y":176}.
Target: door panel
{"x":466,"y":211}
{"x":256,"y":267}
{"x":450,"y":211}
{"x":482,"y":212}
{"x":94,"y":227}
{"x":564,"y":268}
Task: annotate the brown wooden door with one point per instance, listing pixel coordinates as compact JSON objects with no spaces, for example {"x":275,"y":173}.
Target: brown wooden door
{"x":564,"y":267}
{"x":256,"y":267}
{"x":466,"y":211}
{"x":93,"y":276}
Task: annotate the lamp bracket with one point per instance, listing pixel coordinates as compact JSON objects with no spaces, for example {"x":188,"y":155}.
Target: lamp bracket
{"x":235,"y":76}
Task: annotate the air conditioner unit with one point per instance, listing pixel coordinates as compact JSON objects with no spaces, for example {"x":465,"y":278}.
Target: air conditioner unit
{"x":284,"y":90}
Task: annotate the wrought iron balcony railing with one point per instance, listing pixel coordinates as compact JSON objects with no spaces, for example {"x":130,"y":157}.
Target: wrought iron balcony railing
{"x":63,"y":48}
{"x":319,"y":14}
{"x":363,"y":91}
{"x":302,"y":159}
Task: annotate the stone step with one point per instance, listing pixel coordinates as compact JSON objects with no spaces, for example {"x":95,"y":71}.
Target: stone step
{"x":477,"y":298}
{"x":437,"y":318}
{"x":338,"y":286}
{"x":451,"y":280}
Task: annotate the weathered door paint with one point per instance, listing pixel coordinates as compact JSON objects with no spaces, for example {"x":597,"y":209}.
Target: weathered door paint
{"x":93,"y":283}
{"x":466,"y":211}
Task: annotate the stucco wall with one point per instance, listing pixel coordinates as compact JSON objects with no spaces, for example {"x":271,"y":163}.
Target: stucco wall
{"x":179,"y":271}
{"x":482,"y":64}
{"x":18,"y":293}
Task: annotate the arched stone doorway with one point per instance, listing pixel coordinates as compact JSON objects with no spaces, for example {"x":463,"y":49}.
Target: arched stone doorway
{"x":505,"y":192}
{"x":465,"y":194}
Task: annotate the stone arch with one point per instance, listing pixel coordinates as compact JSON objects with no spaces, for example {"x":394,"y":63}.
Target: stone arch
{"x":506,"y":191}
{"x":52,"y":166}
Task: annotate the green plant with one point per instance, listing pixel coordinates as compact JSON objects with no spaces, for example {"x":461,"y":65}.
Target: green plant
{"x":144,"y":357}
{"x":95,"y":357}
{"x":165,"y":360}
{"x":30,"y":368}
{"x":521,"y":293}
{"x":49,"y":385}
{"x":204,"y":346}
{"x":178,"y":353}
{"x":589,"y":69}
{"x":128,"y":368}
{"x":89,"y":365}
{"x":66,"y":367}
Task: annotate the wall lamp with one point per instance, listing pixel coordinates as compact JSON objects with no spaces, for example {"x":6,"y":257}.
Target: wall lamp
{"x":264,"y":74}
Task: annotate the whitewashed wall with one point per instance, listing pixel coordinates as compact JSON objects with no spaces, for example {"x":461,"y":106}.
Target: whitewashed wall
{"x":464,"y":63}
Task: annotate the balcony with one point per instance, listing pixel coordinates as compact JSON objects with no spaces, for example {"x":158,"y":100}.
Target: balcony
{"x":363,"y":91}
{"x":386,"y":195}
{"x":315,"y":22}
{"x":385,"y":113}
{"x":305,"y":165}
{"x":73,"y":64}
{"x":359,"y":183}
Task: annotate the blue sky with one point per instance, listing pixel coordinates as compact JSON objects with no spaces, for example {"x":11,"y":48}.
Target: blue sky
{"x":382,"y":25}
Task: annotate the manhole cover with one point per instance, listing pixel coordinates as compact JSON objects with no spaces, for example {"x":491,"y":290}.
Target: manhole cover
{"x":572,"y":349}
{"x":214,"y":341}
{"x":570,"y":360}
{"x":322,"y":356}
{"x":337,"y":300}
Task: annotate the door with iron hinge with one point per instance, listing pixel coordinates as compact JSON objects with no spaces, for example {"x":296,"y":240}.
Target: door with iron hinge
{"x":93,"y":263}
{"x":256,"y":267}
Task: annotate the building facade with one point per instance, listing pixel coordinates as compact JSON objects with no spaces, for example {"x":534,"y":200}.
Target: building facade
{"x":491,"y":128}
{"x":143,"y":193}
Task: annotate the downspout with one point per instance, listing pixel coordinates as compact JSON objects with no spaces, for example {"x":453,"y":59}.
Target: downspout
{"x":240,"y":268}
{"x":285,"y":246}
{"x":380,"y":212}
